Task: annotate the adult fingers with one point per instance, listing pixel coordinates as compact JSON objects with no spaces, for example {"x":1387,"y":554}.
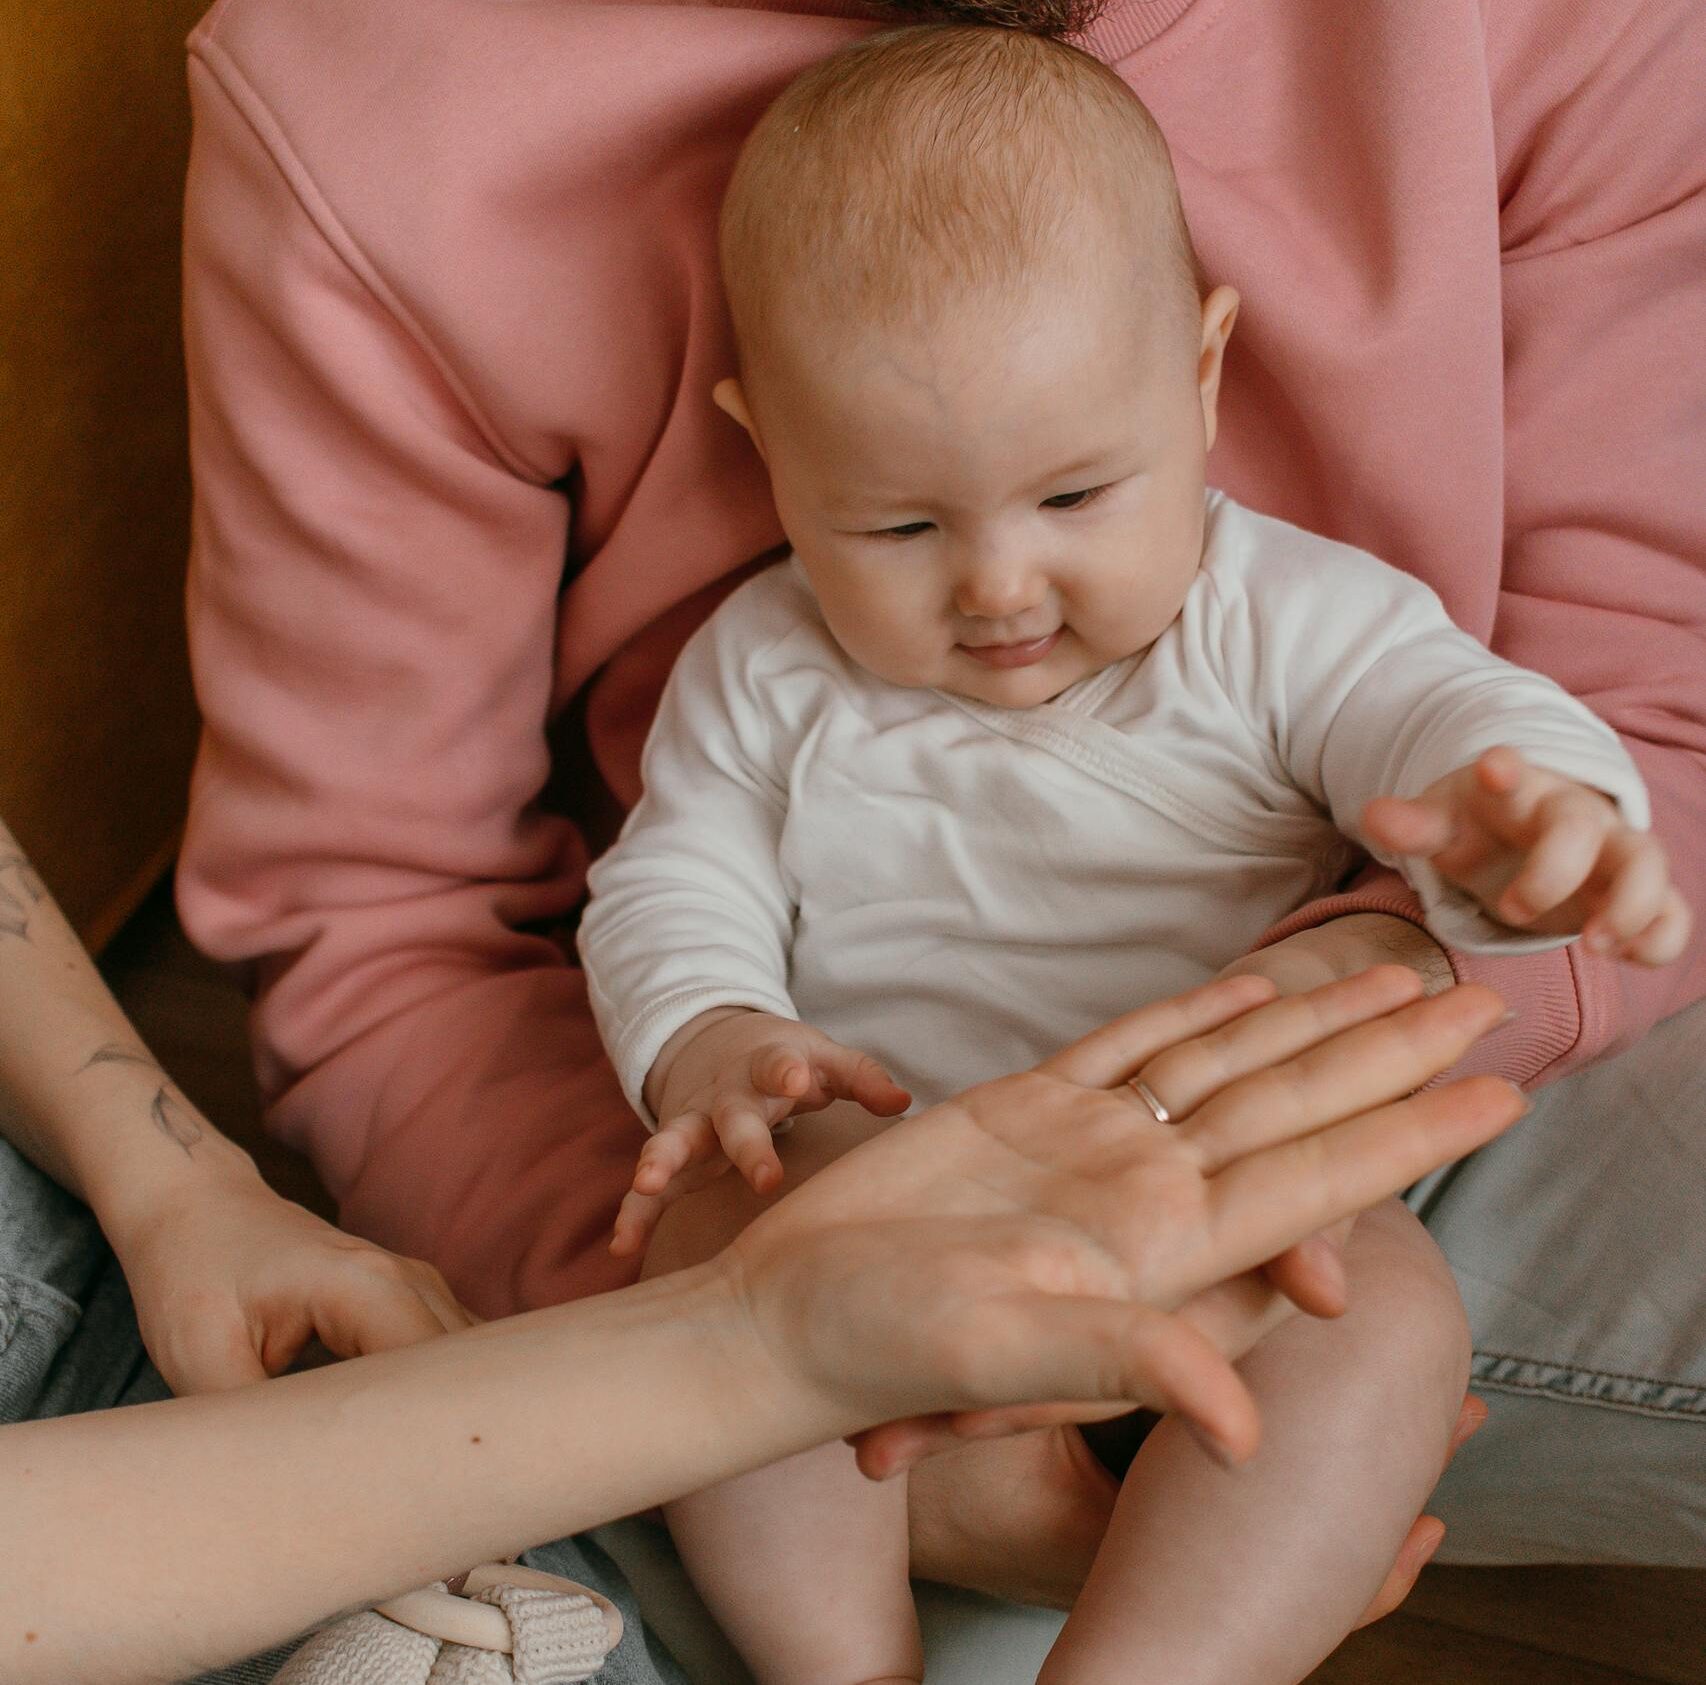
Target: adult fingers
{"x":1339,"y":1076}
{"x":1050,"y":1347}
{"x":1418,"y":1547}
{"x":435,"y":1293}
{"x":1311,"y":1275}
{"x":217,"y":1354}
{"x":894,"y":1447}
{"x":1471,"y":1418}
{"x":1187,"y":1074}
{"x":1110,"y":1054}
{"x":1269,"y":1199}
{"x":1425,"y":1537}
{"x":376,"y":1311}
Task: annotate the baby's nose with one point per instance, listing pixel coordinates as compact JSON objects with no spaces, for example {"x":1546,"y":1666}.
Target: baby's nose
{"x":997,"y":589}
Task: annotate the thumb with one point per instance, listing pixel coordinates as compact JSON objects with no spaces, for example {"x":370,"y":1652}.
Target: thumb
{"x":1407,"y":827}
{"x":354,"y":1318}
{"x":1103,"y":1351}
{"x":217,"y":1355}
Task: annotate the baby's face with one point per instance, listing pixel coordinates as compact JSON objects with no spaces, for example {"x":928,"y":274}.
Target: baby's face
{"x":997,"y":514}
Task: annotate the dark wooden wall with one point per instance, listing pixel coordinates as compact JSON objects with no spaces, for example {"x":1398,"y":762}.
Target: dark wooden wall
{"x":96,"y":721}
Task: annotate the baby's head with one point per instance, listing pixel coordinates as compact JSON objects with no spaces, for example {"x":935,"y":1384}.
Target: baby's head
{"x":975,"y":355}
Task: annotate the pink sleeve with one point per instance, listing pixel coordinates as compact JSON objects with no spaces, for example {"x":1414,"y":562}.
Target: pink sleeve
{"x":373,"y":604}
{"x":1602,"y":152}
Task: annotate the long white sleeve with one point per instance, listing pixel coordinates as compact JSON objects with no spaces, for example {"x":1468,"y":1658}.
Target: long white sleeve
{"x":689,"y":910}
{"x":1359,"y":679}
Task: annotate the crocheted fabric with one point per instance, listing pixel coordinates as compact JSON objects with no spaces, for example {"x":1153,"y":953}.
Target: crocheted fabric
{"x":559,"y":1639}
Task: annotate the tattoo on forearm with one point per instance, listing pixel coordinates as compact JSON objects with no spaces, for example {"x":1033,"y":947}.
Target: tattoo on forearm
{"x":172,"y":1116}
{"x":116,"y":1053}
{"x":20,"y":891}
{"x":175,"y":1120}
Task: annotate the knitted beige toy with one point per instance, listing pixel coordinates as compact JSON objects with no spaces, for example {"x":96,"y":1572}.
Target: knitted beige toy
{"x":504,"y":1625}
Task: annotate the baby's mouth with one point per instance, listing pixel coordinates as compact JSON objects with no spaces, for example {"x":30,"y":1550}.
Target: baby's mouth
{"x":1014,"y":655}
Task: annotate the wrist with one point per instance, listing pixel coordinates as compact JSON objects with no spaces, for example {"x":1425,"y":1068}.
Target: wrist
{"x":1358,"y":940}
{"x":134,"y":1194}
{"x":656,"y":1086}
{"x":763,"y":1304}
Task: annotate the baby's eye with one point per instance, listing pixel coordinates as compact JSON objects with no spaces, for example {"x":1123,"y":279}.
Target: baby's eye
{"x":1074,"y":499}
{"x":911,"y":530}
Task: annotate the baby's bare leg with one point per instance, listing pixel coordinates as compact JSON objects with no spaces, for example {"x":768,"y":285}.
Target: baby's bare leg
{"x":804,"y":1563}
{"x":1251,"y":1576}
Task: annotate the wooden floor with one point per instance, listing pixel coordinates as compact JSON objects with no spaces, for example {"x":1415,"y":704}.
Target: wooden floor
{"x":1462,"y":1626}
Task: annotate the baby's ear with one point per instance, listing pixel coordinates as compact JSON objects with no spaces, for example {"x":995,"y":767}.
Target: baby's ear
{"x":1219,"y":312}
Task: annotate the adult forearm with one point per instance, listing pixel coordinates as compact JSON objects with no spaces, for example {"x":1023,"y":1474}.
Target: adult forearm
{"x":80,"y":1095}
{"x":205,"y":1529}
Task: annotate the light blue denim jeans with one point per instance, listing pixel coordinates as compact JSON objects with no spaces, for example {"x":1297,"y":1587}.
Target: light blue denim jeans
{"x":69,"y":1343}
{"x":1579,"y":1243}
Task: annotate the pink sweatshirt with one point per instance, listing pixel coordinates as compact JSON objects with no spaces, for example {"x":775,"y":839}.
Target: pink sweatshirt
{"x":453,"y":319}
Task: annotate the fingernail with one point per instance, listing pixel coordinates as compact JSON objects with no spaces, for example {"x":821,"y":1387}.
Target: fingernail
{"x":1516,"y":1089}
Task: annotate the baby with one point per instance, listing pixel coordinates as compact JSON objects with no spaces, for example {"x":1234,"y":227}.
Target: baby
{"x":1033,"y":727}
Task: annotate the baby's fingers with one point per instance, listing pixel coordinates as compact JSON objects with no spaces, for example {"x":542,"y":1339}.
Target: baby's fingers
{"x":847,"y":1074}
{"x":1636,"y":881}
{"x":683,"y":1145}
{"x":1403,"y":826}
{"x":1573,"y":827}
{"x":682,"y":1141}
{"x":745,"y":1137}
{"x":1665,"y":938}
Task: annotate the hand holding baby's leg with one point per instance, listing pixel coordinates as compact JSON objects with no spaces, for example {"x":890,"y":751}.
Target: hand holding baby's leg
{"x":1251,"y":1576}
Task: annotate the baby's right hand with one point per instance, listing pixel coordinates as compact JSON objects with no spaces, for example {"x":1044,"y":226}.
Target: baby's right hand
{"x":720,"y":1087}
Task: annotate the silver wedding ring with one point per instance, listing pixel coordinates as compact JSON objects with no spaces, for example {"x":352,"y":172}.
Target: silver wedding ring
{"x":1150,"y":1098}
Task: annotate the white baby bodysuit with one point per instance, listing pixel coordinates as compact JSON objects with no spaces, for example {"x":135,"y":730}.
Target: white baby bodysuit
{"x":960,"y":889}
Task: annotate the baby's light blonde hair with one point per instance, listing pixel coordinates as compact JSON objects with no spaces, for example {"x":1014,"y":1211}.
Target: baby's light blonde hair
{"x":937,"y":162}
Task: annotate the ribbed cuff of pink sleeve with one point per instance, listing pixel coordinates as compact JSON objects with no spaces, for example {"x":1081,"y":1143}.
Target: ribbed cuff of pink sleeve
{"x":1539,"y":988}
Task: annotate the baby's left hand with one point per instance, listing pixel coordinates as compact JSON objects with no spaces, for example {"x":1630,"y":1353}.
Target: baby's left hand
{"x":1543,"y":853}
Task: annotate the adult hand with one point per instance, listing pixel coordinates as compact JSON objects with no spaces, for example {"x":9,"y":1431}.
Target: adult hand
{"x":1030,"y":1240}
{"x":231,"y":1282}
{"x":1426,"y":1536}
{"x":1311,"y":1274}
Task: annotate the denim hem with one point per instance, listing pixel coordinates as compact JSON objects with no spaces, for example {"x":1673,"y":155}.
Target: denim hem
{"x":1641,"y":1394}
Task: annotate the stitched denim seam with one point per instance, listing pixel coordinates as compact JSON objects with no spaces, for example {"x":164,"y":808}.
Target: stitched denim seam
{"x":1502,"y":1372}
